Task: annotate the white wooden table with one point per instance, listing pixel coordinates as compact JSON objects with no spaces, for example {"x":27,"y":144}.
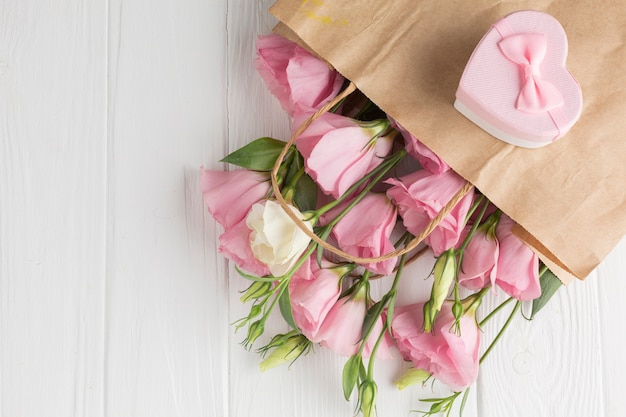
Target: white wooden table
{"x":113,"y":299}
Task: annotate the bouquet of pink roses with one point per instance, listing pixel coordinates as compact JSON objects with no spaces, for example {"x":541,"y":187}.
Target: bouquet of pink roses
{"x":354,"y":197}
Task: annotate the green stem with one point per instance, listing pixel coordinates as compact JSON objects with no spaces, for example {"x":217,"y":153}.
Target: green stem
{"x":370,"y":365}
{"x":279,"y":292}
{"x":363,"y":193}
{"x":464,"y":400}
{"x":466,"y":241}
{"x":501,"y":332}
{"x":294,"y":180}
{"x":284,"y":281}
{"x":385,"y":167}
{"x":474,"y":206}
{"x":300,"y":262}
{"x":364,"y":280}
{"x":393,"y":291}
{"x":254,"y":277}
{"x":399,"y":269}
{"x":392,"y":295}
{"x":368,"y":105}
{"x":283,"y":170}
{"x":457,"y":296}
{"x":474,"y":227}
{"x":364,"y":337}
{"x":473,"y":301}
{"x":294,"y":173}
{"x":495,"y":311}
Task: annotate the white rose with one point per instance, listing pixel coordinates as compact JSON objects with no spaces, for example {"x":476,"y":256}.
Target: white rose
{"x":275,"y":239}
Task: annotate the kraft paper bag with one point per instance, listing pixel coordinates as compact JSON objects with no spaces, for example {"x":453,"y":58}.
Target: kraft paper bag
{"x":408,"y":56}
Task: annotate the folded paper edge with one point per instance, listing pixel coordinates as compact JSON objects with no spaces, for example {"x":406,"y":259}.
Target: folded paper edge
{"x":546,"y":256}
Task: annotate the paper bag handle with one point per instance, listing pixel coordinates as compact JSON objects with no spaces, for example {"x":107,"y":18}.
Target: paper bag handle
{"x":467,"y":187}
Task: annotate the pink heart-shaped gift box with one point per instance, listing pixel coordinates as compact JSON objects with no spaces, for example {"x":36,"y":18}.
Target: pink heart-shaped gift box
{"x":491,"y":85}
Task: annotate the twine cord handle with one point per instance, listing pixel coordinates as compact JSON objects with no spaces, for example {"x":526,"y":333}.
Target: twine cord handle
{"x":467,"y":187}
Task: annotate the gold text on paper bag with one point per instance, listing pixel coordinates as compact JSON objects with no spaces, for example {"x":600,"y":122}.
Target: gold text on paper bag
{"x":314,"y":10}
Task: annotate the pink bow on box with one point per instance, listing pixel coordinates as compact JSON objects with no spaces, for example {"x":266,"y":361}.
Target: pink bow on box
{"x":528,"y":50}
{"x":516,"y":86}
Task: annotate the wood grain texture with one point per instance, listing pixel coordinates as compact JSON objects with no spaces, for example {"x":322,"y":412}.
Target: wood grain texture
{"x":114,"y":300}
{"x":166,"y":312}
{"x":538,"y":366}
{"x":611,"y":290}
{"x":52,"y":215}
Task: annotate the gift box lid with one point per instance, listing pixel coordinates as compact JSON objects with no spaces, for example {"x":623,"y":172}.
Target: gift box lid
{"x":516,"y":85}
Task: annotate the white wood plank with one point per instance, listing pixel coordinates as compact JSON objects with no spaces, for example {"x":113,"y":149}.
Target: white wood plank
{"x":612,"y":287}
{"x":549,"y":366}
{"x":167,"y":324}
{"x":52,"y":207}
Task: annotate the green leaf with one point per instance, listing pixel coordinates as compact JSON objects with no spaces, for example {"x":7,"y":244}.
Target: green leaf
{"x":323,"y":233}
{"x":362,"y":371}
{"x":390,"y":311}
{"x":259,"y":155}
{"x":319,"y":252}
{"x":373,"y":313}
{"x":254,"y":277}
{"x":549,"y":284}
{"x":431,"y":400}
{"x":350,"y":375}
{"x":306,"y":193}
{"x":295,"y":168}
{"x":256,"y":290}
{"x":435,"y":408}
{"x":285,"y":309}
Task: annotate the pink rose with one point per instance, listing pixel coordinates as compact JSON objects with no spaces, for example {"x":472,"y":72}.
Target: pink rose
{"x":420,"y":196}
{"x":341,"y":329}
{"x":518,"y":265}
{"x":499,"y":257}
{"x":300,"y":81}
{"x":235,"y":245}
{"x":427,"y":158}
{"x":313,"y":291}
{"x":366,"y":229}
{"x":480,"y":260}
{"x":229,"y":195}
{"x":450,"y":358}
{"x":339,"y":151}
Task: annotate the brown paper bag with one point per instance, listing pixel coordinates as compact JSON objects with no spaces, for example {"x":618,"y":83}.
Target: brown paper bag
{"x":407,"y":56}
